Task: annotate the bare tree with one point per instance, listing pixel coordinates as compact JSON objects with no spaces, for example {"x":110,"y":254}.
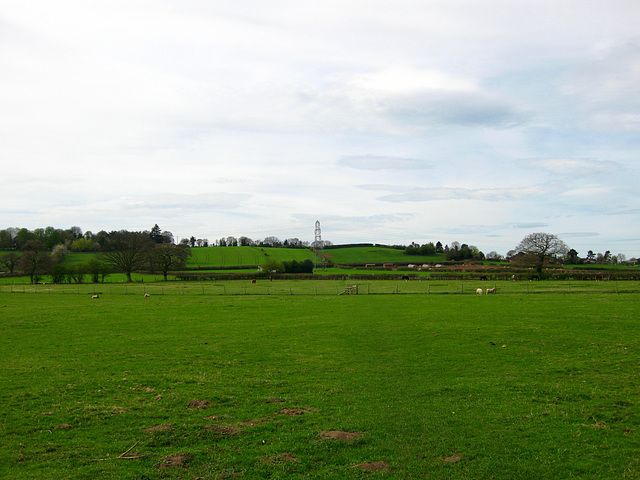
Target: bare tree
{"x":167,"y":256}
{"x":35,"y":259}
{"x":542,"y":246}
{"x":127,"y":252}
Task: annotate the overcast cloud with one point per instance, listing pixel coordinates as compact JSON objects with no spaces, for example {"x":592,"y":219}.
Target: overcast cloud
{"x":390,"y":122}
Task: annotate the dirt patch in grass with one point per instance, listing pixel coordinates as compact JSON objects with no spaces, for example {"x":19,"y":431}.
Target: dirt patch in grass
{"x":293,"y":412}
{"x":596,"y":425}
{"x":159,"y":428}
{"x":340,"y":435}
{"x":199,"y":404}
{"x":176,"y":460}
{"x":64,"y":426}
{"x":275,"y":400}
{"x":374,"y":466}
{"x":223,"y":429}
{"x":453,"y":459}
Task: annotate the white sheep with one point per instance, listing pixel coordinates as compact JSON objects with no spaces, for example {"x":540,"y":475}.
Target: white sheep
{"x":96,"y":296}
{"x":479,"y":291}
{"x":491,"y":290}
{"x":147,"y":295}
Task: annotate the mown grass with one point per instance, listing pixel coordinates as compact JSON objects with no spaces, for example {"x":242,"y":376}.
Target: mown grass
{"x":437,"y":386}
{"x":236,"y":256}
{"x":264,"y":287}
{"x":378,"y":255}
{"x":203,"y":257}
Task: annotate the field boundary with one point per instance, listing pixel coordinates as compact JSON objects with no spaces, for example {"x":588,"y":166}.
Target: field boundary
{"x":324,"y":287}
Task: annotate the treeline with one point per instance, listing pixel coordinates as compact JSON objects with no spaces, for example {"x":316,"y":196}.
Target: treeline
{"x":276,"y":266}
{"x":454,"y":253}
{"x":70,"y":239}
{"x":121,"y":252}
{"x":73,"y":239}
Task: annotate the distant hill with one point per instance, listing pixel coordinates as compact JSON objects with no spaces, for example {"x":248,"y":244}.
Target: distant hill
{"x":226,"y":257}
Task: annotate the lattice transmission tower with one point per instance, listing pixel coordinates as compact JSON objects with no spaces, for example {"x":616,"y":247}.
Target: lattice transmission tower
{"x":318,"y":247}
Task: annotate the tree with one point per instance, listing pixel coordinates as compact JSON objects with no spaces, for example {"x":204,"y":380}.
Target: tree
{"x":83,"y":245}
{"x":494,"y":256}
{"x":78,"y":272}
{"x":59,"y":252}
{"x":156,"y":234}
{"x":541,"y":247}
{"x":10,"y":261}
{"x":22,"y":236}
{"x":127,"y":252}
{"x":35,"y":260}
{"x":58,"y":273}
{"x":75,"y":231}
{"x":245,"y":241}
{"x":98,"y":270}
{"x":273,"y":266}
{"x":590,"y":256}
{"x":572,"y":257}
{"x":167,"y":256}
{"x":7,"y":238}
{"x":305,"y":266}
{"x":271,"y":242}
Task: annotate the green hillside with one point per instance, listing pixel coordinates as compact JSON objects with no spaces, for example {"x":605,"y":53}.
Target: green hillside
{"x":237,"y":256}
{"x":377,"y":255}
{"x":216,"y":257}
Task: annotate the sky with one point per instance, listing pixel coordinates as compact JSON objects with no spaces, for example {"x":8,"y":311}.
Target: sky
{"x":389,"y":122}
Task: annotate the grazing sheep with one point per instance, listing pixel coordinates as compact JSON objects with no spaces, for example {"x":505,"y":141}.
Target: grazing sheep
{"x":147,"y":295}
{"x":96,"y":296}
{"x":479,"y":291}
{"x":491,"y":290}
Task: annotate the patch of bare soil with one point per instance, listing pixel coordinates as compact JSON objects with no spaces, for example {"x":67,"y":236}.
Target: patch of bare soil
{"x":64,"y":426}
{"x":339,"y":435}
{"x":374,"y":466}
{"x":176,"y":460}
{"x":596,"y":425}
{"x":453,"y":459}
{"x":223,"y":429}
{"x":159,"y":428}
{"x":275,"y":400}
{"x":293,"y":412}
{"x":199,"y":404}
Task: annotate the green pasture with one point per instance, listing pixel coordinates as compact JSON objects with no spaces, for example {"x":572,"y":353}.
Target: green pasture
{"x":140,"y":286}
{"x":236,"y":256}
{"x":377,"y":255}
{"x":186,"y":384}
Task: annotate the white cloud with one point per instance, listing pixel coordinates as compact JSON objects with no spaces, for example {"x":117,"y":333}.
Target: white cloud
{"x":378,"y":162}
{"x":579,"y":167}
{"x":448,"y":193}
{"x":212,"y":118}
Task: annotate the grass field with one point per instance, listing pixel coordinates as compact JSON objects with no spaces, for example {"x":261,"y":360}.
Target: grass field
{"x":301,"y":386}
{"x":236,"y":256}
{"x":118,"y":286}
{"x":202,"y":257}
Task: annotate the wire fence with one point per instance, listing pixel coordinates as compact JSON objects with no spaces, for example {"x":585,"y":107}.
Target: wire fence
{"x":324,"y":287}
